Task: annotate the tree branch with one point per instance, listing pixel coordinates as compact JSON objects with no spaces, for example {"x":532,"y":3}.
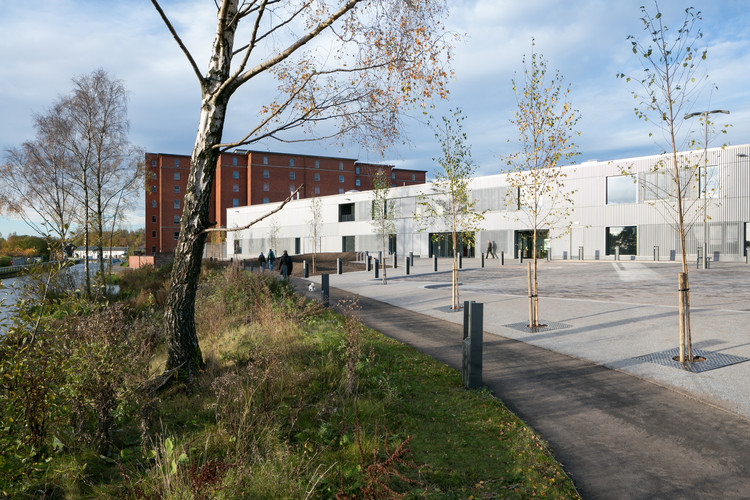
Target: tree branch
{"x":179,"y":42}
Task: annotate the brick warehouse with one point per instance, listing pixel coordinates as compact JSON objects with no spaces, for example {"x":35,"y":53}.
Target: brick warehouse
{"x":250,"y":178}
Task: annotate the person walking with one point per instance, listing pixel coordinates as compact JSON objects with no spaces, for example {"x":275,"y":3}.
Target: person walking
{"x":285,"y":265}
{"x":262,"y":262}
{"x":491,"y":250}
{"x":271,"y":259}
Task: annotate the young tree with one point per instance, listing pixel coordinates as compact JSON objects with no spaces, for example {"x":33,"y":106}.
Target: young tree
{"x":369,"y":61}
{"x":546,"y":125}
{"x":452,"y":206}
{"x":316,"y":225}
{"x":383,"y":212}
{"x":670,"y":83}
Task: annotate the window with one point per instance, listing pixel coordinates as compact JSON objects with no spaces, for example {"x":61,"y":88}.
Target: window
{"x":177,"y":176}
{"x":291,"y":162}
{"x":291,"y":176}
{"x":153,"y":163}
{"x":153,"y":175}
{"x":316,"y":177}
{"x":153,"y":234}
{"x":176,"y":219}
{"x":357,"y":182}
{"x":356,"y":170}
{"x":235,"y":202}
{"x":346,"y":212}
{"x":291,"y":188}
{"x":266,"y":186}
{"x":317,"y":163}
{"x":624,"y":237}
{"x":177,"y":189}
{"x":266,"y":175}
{"x":235,"y":188}
{"x":341,"y":165}
{"x":176,"y":235}
{"x":153,"y":203}
{"x":153,"y":189}
{"x":265,"y":200}
{"x":235,"y":174}
{"x":153,"y":219}
{"x":414,"y":177}
{"x":265,"y":160}
{"x":347,"y":243}
{"x":341,"y":179}
{"x":153,"y":249}
{"x":393,"y":175}
{"x":621,"y":189}
{"x":316,"y":189}
{"x":177,"y":163}
{"x":177,"y":204}
{"x":234,"y":161}
{"x":341,"y":190}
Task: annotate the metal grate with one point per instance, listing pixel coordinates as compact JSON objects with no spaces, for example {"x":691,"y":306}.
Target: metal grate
{"x":713,"y":360}
{"x":548,"y":326}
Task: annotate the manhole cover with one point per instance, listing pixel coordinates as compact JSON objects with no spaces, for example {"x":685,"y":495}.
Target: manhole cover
{"x":713,"y":360}
{"x":547,"y":326}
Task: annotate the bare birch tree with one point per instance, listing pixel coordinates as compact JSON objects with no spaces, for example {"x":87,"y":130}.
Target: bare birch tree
{"x":546,"y":124}
{"x":452,"y":206}
{"x":315,"y":223}
{"x":369,"y":62}
{"x":669,"y":86}
{"x":382,"y":213}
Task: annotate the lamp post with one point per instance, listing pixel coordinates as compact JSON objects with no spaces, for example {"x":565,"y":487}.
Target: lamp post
{"x":704,"y":193}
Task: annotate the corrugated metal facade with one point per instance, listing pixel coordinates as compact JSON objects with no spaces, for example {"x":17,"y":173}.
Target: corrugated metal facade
{"x":629,"y":200}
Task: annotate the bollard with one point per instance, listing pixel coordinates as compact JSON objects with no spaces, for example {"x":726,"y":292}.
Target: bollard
{"x":434,"y":263}
{"x":339,"y":266}
{"x":580,"y":253}
{"x":407,"y":266}
{"x":369,"y":263}
{"x":656,"y":253}
{"x":502,"y":258}
{"x":380,"y":256}
{"x":411,"y":258}
{"x":377,"y":268}
{"x":482,"y":260}
{"x":460,"y":261}
{"x":472,"y":344}
{"x":617,"y":253}
{"x":549,"y":255}
{"x":395,"y":260}
{"x":324,"y":288}
{"x":305,"y":269}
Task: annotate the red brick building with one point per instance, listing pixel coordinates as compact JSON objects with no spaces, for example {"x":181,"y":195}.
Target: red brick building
{"x":250,"y":178}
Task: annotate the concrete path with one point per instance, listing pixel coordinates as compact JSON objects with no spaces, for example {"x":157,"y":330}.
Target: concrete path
{"x":623,"y":427}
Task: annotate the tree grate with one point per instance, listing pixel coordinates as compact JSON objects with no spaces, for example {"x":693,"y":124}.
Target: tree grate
{"x":548,"y":326}
{"x":713,"y":360}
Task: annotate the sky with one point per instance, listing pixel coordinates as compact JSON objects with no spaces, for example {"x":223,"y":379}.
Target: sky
{"x":48,"y":42}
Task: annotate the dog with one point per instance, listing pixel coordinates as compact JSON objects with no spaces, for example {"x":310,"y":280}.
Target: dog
{"x":311,"y":287}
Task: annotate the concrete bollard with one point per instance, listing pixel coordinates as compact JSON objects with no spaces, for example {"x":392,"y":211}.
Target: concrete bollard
{"x":325,"y":289}
{"x":472,"y":344}
{"x":617,"y":253}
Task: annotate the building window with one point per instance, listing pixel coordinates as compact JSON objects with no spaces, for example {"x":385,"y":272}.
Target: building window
{"x":317,"y":163}
{"x":235,"y":174}
{"x":316,"y":177}
{"x":153,"y":163}
{"x":291,"y":176}
{"x":153,"y":189}
{"x":153,"y":249}
{"x":266,"y":174}
{"x":235,"y":188}
{"x":357,"y":182}
{"x":316,"y":189}
{"x":235,"y":202}
{"x":291,"y":162}
{"x":265,"y":160}
{"x":341,"y":165}
{"x":177,"y":176}
{"x":265,"y":200}
{"x":177,"y":204}
{"x":624,"y":237}
{"x":176,"y":235}
{"x":177,"y":163}
{"x":234,"y":161}
{"x":414,"y":177}
{"x":176,"y":219}
{"x":266,"y":186}
{"x":153,"y":175}
{"x":621,"y":189}
{"x":177,"y":189}
{"x":347,"y":243}
{"x":341,"y":190}
{"x":356,"y":170}
{"x":153,"y":219}
{"x":393,"y":175}
{"x":291,"y":188}
{"x":346,"y":212}
{"x":341,"y":179}
{"x":153,"y":203}
{"x":153,"y":234}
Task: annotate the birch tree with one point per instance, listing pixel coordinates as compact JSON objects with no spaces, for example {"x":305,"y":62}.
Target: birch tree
{"x":668,"y":87}
{"x":546,"y":124}
{"x":382,"y":213}
{"x":315,"y":223}
{"x":452,"y":205}
{"x":351,"y":65}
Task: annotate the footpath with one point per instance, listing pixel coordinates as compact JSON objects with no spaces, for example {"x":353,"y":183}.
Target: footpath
{"x":597,"y":384}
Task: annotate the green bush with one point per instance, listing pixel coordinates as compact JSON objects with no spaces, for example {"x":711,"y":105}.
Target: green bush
{"x":5,"y":261}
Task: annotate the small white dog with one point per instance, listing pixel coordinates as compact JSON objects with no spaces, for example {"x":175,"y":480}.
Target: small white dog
{"x":311,"y":287}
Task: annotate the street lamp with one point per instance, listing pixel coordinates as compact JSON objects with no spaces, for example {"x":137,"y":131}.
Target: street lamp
{"x":704,"y":115}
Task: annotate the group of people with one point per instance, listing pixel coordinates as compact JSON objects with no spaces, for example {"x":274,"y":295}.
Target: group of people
{"x":285,"y":262}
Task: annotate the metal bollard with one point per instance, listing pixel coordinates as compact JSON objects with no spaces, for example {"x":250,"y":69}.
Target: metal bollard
{"x":482,"y":260}
{"x":339,"y":266}
{"x":325,"y":289}
{"x":460,"y":261}
{"x":411,"y":258}
{"x":377,"y":268}
{"x":369,"y":263}
{"x":305,"y":269}
{"x":580,"y":253}
{"x":434,"y":263}
{"x":472,"y":344}
{"x":502,"y":258}
{"x":407,"y":266}
{"x":617,"y":253}
{"x":395,"y":260}
{"x":656,"y":253}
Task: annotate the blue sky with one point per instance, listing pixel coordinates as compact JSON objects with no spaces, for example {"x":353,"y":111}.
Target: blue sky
{"x":46,"y":44}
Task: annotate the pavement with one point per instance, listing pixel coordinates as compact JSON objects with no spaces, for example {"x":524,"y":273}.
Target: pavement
{"x":598,"y":382}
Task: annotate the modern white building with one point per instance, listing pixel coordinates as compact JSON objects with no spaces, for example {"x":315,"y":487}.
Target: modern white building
{"x":621,"y":207}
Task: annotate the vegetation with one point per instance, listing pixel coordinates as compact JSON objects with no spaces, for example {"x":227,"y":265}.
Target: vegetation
{"x":295,"y":402}
{"x":383,"y":213}
{"x":24,"y":246}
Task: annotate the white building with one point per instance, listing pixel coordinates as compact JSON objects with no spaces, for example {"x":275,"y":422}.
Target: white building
{"x":109,"y":253}
{"x":619,"y":205}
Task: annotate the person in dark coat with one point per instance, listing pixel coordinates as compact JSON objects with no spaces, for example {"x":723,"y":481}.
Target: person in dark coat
{"x":262,"y":262}
{"x":285,"y":264}
{"x":271,"y":259}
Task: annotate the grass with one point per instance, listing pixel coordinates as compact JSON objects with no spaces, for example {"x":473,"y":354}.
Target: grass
{"x":300,"y":402}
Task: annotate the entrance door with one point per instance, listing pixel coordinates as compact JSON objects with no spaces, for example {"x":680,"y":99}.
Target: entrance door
{"x":525,"y":240}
